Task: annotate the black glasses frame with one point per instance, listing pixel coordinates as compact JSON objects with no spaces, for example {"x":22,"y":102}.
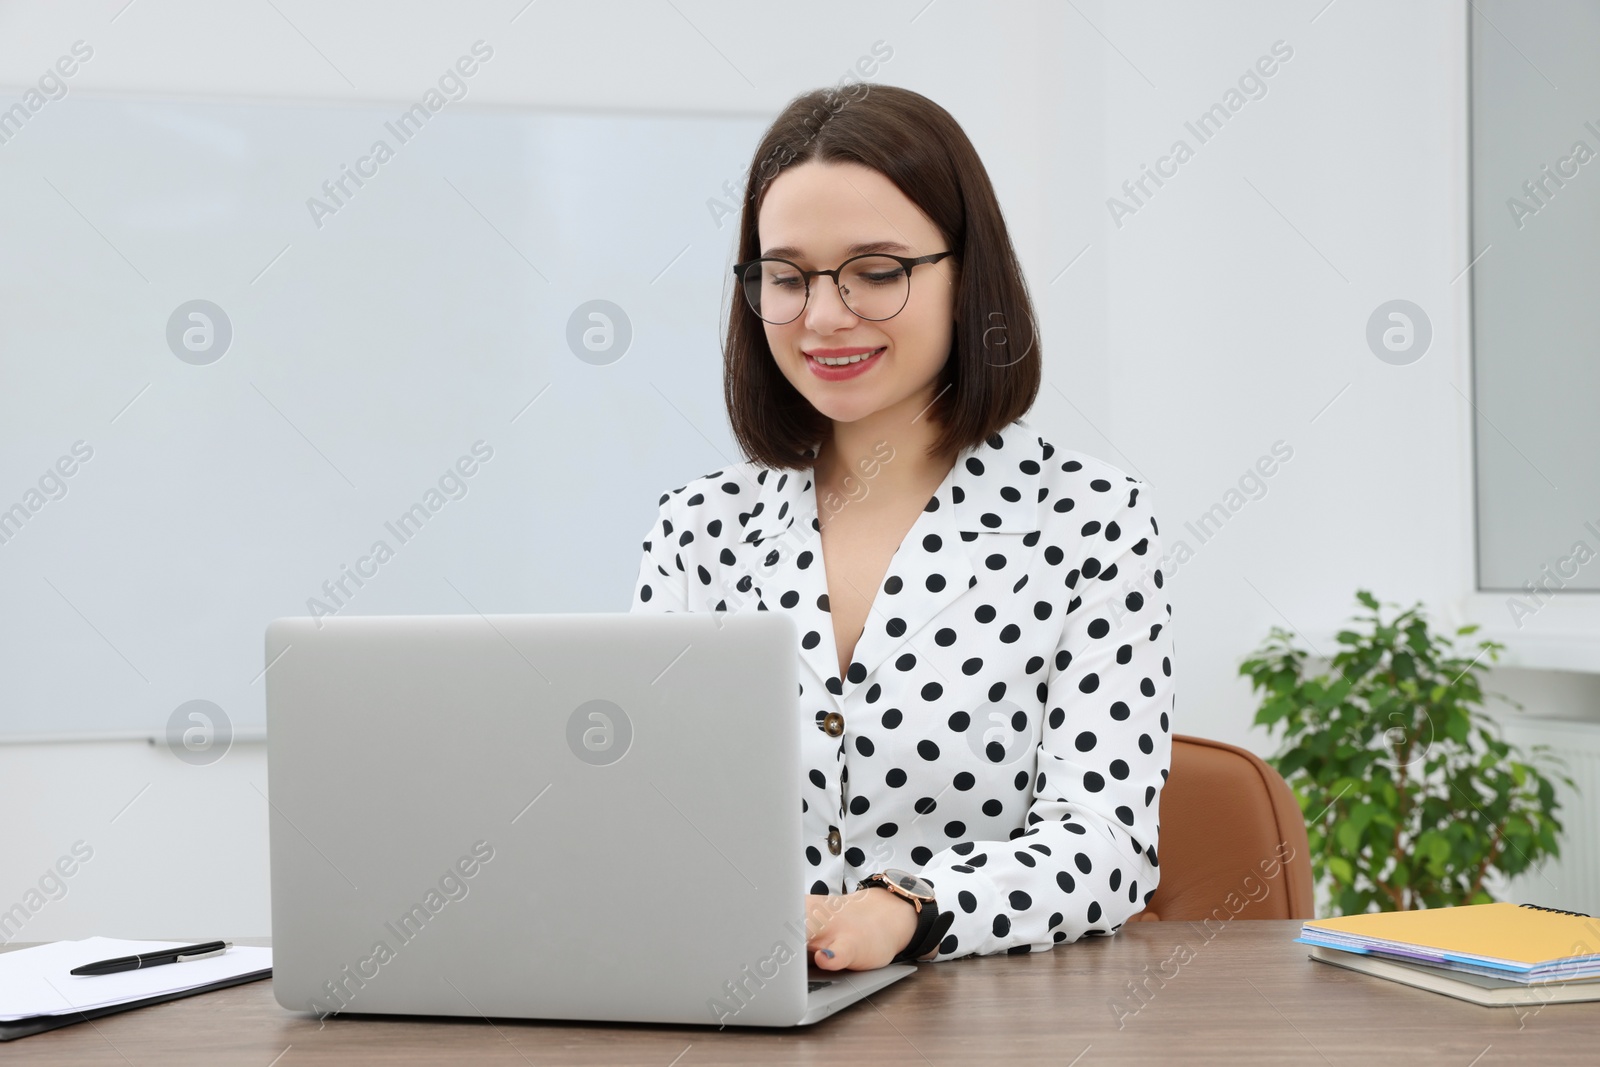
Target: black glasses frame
{"x":905,"y":262}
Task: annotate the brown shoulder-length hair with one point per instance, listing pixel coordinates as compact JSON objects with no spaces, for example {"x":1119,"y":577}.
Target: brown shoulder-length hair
{"x":992,"y":375}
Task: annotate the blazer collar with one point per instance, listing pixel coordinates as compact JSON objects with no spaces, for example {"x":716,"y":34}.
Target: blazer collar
{"x":993,"y":486}
{"x":991,"y":491}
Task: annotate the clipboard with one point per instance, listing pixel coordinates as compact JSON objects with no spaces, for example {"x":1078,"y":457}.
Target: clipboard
{"x":38,"y":1024}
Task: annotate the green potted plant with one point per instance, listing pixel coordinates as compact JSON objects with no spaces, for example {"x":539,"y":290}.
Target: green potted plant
{"x":1410,"y":795}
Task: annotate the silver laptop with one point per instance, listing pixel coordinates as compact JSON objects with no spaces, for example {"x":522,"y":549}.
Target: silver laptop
{"x":581,"y":816}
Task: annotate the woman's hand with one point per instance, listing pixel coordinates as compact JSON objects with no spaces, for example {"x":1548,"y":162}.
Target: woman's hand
{"x":863,"y":930}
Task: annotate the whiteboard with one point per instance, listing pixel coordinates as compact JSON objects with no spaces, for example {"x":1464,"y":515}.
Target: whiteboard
{"x":419,"y":347}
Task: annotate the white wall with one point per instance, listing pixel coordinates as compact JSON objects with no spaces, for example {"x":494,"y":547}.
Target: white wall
{"x":1221,"y":317}
{"x":1239,"y":296}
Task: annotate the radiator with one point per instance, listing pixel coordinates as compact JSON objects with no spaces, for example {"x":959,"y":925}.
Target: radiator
{"x":1573,"y":881}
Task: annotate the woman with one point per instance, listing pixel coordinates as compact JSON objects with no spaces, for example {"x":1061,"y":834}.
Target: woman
{"x":985,"y":660}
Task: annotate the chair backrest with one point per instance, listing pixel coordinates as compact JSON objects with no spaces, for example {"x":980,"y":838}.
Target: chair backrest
{"x":1233,"y":839}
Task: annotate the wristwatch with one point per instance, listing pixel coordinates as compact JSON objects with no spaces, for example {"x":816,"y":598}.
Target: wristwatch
{"x":920,"y":893}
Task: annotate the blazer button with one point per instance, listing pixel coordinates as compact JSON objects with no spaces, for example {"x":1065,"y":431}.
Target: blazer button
{"x":833,"y":724}
{"x":833,"y":840}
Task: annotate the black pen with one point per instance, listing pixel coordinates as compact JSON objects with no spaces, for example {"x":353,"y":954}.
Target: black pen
{"x":154,"y":959}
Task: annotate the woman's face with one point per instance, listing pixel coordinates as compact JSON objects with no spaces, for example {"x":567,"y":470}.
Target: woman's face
{"x":818,"y":211}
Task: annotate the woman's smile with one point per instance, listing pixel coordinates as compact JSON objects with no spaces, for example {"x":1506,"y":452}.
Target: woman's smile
{"x":837,"y":364}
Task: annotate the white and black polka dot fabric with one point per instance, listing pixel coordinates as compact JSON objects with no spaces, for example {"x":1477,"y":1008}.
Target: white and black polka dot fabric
{"x":1004,"y":726}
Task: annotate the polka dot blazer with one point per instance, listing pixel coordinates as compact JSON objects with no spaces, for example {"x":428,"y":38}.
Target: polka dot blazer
{"x":1004,"y":726}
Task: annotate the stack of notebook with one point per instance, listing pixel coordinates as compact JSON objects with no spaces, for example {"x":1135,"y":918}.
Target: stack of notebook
{"x":1492,"y":954}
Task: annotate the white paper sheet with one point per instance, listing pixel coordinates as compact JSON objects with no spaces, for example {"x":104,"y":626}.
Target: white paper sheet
{"x":35,"y":981}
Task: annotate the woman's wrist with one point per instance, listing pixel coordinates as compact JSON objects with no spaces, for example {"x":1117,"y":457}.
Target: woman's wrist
{"x":920,"y":939}
{"x":901,"y":909}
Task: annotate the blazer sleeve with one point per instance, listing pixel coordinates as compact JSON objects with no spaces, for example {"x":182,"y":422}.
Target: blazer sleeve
{"x":662,"y":584}
{"x":1086,"y":860}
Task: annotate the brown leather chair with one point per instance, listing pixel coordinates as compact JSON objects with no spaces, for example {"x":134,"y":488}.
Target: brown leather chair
{"x":1233,"y":839}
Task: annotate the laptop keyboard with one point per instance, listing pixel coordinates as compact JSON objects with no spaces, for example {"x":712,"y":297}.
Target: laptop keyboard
{"x":813,"y":985}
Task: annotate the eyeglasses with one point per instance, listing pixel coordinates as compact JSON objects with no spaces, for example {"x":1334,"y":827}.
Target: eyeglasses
{"x":874,"y":287}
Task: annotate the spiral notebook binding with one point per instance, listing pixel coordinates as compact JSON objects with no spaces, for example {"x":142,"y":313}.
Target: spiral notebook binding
{"x":1558,"y":911}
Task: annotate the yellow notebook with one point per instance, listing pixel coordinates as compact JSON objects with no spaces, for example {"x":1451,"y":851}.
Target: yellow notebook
{"x":1515,"y":939}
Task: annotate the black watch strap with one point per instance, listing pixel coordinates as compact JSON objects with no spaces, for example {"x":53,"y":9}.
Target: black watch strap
{"x":927,"y":919}
{"x":930,"y":930}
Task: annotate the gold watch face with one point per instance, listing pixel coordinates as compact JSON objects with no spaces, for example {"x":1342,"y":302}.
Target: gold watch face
{"x":912,"y":884}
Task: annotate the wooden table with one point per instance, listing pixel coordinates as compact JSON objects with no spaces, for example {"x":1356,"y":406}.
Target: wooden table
{"x":1242,"y":992}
